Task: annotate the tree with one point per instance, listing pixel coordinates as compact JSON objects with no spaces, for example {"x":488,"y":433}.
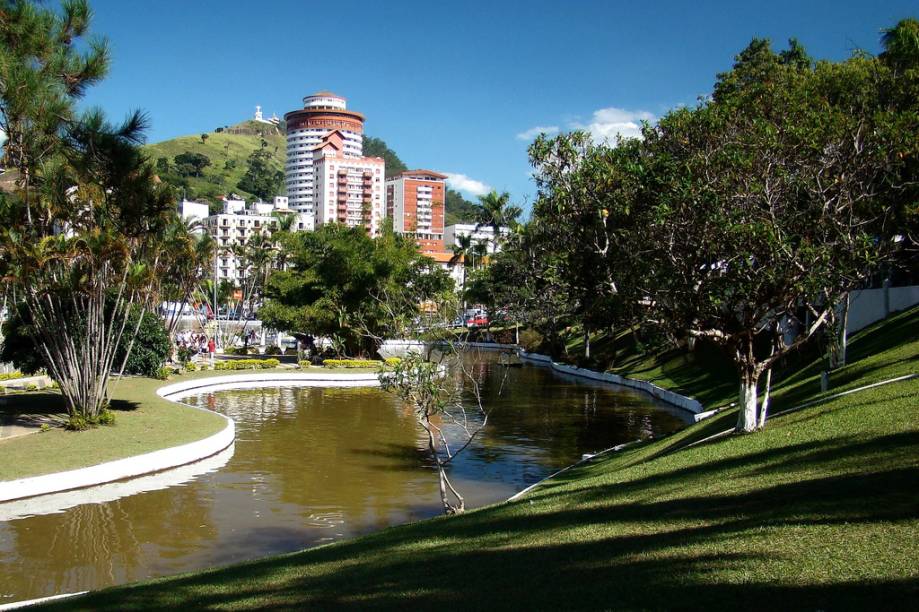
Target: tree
{"x":435,"y":397}
{"x":901,"y":45}
{"x":80,"y":238}
{"x":262,"y":179}
{"x":341,"y":282}
{"x":376,"y":147}
{"x":191,"y":164}
{"x":204,"y":138}
{"x":764,"y":204}
{"x":497,"y":213}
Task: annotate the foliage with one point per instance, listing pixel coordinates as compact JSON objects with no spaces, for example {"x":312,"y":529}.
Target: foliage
{"x":262,"y":179}
{"x":375,"y":147}
{"x":247,"y":364}
{"x":349,"y":363}
{"x":163,"y":373}
{"x":743,"y":220}
{"x":151,"y":347}
{"x":272,"y":350}
{"x":340,"y":282}
{"x":10,"y":375}
{"x":459,"y":209}
{"x":191,"y":164}
{"x":531,"y":340}
{"x":149,"y":350}
{"x":434,"y":396}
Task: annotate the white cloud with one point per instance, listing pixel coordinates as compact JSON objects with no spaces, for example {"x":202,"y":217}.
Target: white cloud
{"x":469,"y":185}
{"x":535,"y":131}
{"x":607,"y":123}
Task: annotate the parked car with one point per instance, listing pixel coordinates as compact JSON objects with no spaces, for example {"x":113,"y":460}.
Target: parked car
{"x":477,"y":321}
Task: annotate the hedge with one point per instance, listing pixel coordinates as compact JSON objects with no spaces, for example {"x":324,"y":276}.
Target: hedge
{"x":351,"y":363}
{"x":10,"y":375}
{"x":247,"y":364}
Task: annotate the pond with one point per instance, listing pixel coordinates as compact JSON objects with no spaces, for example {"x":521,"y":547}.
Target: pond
{"x":310,"y":466}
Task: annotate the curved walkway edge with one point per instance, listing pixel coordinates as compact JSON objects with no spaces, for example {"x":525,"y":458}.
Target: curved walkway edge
{"x":680,"y":401}
{"x":175,"y":456}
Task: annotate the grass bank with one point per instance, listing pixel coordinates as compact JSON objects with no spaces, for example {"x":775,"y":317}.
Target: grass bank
{"x":144,"y":422}
{"x":820,"y":511}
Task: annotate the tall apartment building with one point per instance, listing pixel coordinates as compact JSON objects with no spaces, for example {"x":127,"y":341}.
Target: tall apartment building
{"x":347,"y":189}
{"x":415,"y":201}
{"x":322,"y":113}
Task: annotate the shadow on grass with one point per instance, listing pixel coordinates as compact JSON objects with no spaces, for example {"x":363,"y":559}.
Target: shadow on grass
{"x":34,"y":403}
{"x":123,"y":405}
{"x":610,"y":545}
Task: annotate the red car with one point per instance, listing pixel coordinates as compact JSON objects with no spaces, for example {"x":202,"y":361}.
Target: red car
{"x":477,"y":321}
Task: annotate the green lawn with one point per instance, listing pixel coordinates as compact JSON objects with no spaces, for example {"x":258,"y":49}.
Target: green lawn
{"x":144,"y":422}
{"x":819,"y":512}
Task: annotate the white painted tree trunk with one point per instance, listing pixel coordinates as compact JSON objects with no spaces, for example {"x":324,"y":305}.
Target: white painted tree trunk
{"x":746,"y":419}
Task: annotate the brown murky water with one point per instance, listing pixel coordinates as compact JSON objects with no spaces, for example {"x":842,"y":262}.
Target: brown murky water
{"x":310,"y":466}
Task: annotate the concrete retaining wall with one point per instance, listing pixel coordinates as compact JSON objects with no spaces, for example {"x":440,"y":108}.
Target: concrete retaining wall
{"x":129,"y":467}
{"x":185,"y":388}
{"x":675,"y":399}
{"x":396,"y":348}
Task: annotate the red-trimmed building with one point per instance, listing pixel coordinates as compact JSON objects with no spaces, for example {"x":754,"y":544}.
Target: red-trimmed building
{"x":323,"y":112}
{"x":415,"y":201}
{"x":347,"y":189}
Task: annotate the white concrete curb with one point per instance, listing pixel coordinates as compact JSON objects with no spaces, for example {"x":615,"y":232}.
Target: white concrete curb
{"x":680,"y":401}
{"x":179,"y":390}
{"x":175,"y":456}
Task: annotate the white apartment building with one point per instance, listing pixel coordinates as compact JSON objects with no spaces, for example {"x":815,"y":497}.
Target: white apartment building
{"x":236,"y":224}
{"x":484,"y":235}
{"x":322,"y":113}
{"x":347,"y":189}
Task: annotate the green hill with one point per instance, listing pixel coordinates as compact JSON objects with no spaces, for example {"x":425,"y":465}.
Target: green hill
{"x":228,"y":150}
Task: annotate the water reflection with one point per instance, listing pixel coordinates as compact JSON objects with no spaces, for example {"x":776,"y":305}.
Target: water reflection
{"x":313,"y":465}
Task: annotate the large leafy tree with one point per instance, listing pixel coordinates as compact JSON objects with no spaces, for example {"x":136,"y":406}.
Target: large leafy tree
{"x":79,"y":239}
{"x":340,"y":282}
{"x":767,"y":206}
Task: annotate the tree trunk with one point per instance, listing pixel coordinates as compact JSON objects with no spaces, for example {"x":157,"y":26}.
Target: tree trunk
{"x":586,"y":344}
{"x":746,"y":419}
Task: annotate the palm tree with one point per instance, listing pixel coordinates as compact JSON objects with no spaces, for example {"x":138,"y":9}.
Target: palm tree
{"x":497,"y":212}
{"x":901,"y":44}
{"x":282,"y":229}
{"x":462,"y":252}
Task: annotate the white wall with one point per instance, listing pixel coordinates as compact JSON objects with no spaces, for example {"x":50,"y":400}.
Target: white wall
{"x":869,"y":305}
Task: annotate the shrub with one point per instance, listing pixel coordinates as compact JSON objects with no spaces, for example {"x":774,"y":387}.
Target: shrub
{"x":77,"y":422}
{"x":31,"y":387}
{"x":10,"y":375}
{"x":106,"y":417}
{"x":531,"y":340}
{"x":44,"y":427}
{"x":290,"y":351}
{"x":247,"y":364}
{"x":351,"y":363}
{"x":230,"y":350}
{"x":273,"y":350}
{"x":163,"y":373}
{"x":150,"y":349}
{"x":190,"y":367}
{"x":392,"y":361}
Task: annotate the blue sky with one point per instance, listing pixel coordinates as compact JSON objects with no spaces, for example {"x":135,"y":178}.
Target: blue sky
{"x":454,"y":87}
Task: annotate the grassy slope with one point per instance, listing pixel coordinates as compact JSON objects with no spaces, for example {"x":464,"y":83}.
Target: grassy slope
{"x":817,"y":512}
{"x":215,"y":148}
{"x":144,"y":422}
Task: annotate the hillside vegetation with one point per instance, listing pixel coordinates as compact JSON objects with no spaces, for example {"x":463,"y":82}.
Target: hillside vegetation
{"x":228,"y":152}
{"x":817,"y":512}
